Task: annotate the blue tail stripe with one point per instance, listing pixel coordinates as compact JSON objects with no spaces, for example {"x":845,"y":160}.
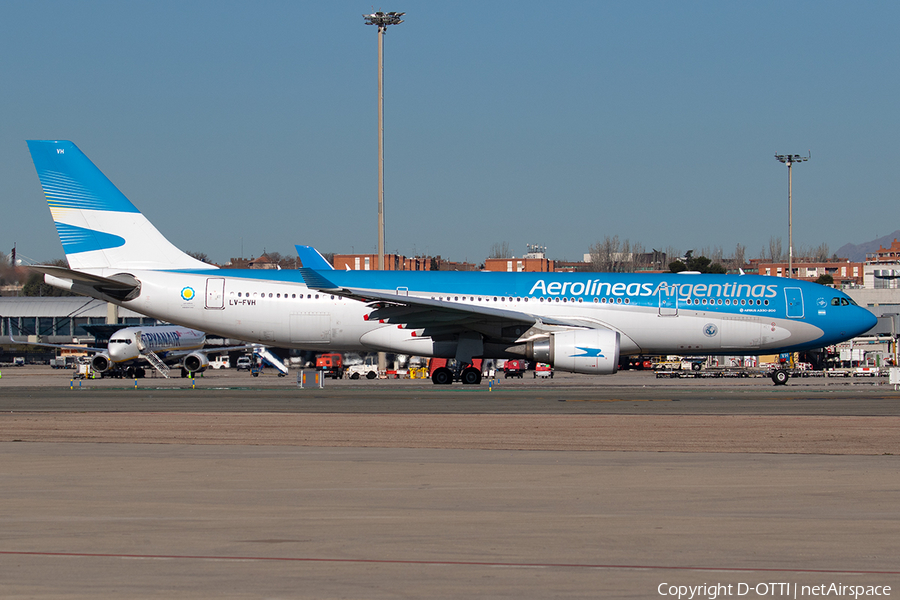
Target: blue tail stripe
{"x":78,"y":239}
{"x":71,"y":180}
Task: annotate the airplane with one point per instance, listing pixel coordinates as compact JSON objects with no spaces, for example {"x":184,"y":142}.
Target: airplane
{"x":132,"y":348}
{"x":578,"y":322}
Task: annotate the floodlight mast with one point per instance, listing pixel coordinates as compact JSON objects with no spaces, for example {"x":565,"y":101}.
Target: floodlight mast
{"x":382,"y":20}
{"x":790,"y":159}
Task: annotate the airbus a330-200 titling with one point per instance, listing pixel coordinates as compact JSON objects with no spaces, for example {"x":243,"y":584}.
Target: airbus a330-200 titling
{"x":579,"y":322}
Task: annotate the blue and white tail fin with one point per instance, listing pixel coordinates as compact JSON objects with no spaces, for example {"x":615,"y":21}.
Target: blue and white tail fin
{"x":98,"y":226}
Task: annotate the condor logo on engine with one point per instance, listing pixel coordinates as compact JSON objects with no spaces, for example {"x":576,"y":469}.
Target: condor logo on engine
{"x":580,"y":351}
{"x":592,"y":352}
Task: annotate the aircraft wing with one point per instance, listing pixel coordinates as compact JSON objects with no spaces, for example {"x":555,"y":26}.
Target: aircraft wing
{"x":417,"y":312}
{"x":46,"y":345}
{"x":174,"y":354}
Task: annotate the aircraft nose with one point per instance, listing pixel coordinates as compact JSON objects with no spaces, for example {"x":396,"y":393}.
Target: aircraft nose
{"x":861,"y":321}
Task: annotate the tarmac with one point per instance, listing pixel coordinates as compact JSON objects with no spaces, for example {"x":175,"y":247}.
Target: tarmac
{"x":576,"y":487}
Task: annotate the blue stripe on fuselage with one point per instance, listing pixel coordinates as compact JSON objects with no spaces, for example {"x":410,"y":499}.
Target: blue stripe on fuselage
{"x":637,"y":289}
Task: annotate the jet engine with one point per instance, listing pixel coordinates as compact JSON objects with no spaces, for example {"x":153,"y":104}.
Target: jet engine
{"x":101,"y":362}
{"x":592,"y":351}
{"x":196,"y":362}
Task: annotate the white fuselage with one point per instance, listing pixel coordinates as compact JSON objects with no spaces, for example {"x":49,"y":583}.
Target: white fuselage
{"x":289,"y":314}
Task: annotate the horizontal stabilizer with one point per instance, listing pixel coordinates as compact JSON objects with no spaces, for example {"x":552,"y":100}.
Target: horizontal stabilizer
{"x":311,"y":258}
{"x":121,"y":287}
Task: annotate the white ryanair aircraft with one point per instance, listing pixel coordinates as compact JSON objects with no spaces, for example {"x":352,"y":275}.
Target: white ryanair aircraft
{"x":579,"y":322}
{"x":132,"y":348}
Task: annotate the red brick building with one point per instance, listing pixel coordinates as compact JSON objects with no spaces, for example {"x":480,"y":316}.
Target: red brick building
{"x":841,"y":270}
{"x":396,"y":262}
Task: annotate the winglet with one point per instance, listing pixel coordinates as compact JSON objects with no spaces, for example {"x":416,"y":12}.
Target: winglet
{"x":316,"y":280}
{"x":311,"y":258}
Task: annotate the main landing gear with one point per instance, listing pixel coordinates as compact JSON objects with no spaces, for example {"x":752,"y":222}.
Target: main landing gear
{"x":468,"y":375}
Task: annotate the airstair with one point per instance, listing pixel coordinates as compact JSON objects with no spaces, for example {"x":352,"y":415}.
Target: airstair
{"x":151,"y":356}
{"x":156,"y":361}
{"x":271,"y":359}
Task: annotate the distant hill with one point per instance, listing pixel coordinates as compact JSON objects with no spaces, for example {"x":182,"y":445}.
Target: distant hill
{"x":857,"y":252}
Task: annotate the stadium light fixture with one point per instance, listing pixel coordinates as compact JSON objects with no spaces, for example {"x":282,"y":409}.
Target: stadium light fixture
{"x":790,"y":159}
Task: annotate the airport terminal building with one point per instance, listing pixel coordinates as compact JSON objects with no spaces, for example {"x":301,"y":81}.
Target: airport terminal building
{"x":63,"y":319}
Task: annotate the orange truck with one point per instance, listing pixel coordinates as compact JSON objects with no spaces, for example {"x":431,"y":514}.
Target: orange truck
{"x":331,"y":365}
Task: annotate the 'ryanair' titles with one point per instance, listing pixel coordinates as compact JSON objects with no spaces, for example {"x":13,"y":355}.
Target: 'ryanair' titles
{"x":161,"y":339}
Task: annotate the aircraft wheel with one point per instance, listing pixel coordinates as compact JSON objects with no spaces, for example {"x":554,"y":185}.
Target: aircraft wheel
{"x":471,"y":376}
{"x":780,"y":377}
{"x":184,"y":373}
{"x":371,"y":375}
{"x":442,"y":376}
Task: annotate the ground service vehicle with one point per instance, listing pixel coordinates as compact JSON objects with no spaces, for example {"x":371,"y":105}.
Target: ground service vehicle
{"x":514,"y":368}
{"x":368,"y":369}
{"x":331,"y":365}
{"x":244,"y":363}
{"x":444,"y":371}
{"x":220,"y":362}
{"x":543,"y":370}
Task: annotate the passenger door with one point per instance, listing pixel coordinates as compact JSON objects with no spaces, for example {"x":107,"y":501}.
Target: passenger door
{"x":215,"y":292}
{"x":794,"y":299}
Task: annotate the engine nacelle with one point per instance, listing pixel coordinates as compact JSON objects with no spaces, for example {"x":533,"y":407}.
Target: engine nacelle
{"x":196,"y":362}
{"x":101,"y":362}
{"x":592,"y":351}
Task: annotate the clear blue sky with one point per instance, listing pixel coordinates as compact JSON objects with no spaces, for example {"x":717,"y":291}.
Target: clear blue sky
{"x":550,"y":123}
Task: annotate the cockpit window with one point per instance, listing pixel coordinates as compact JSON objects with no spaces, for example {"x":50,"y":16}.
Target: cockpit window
{"x":845,"y":302}
{"x":835,"y":301}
